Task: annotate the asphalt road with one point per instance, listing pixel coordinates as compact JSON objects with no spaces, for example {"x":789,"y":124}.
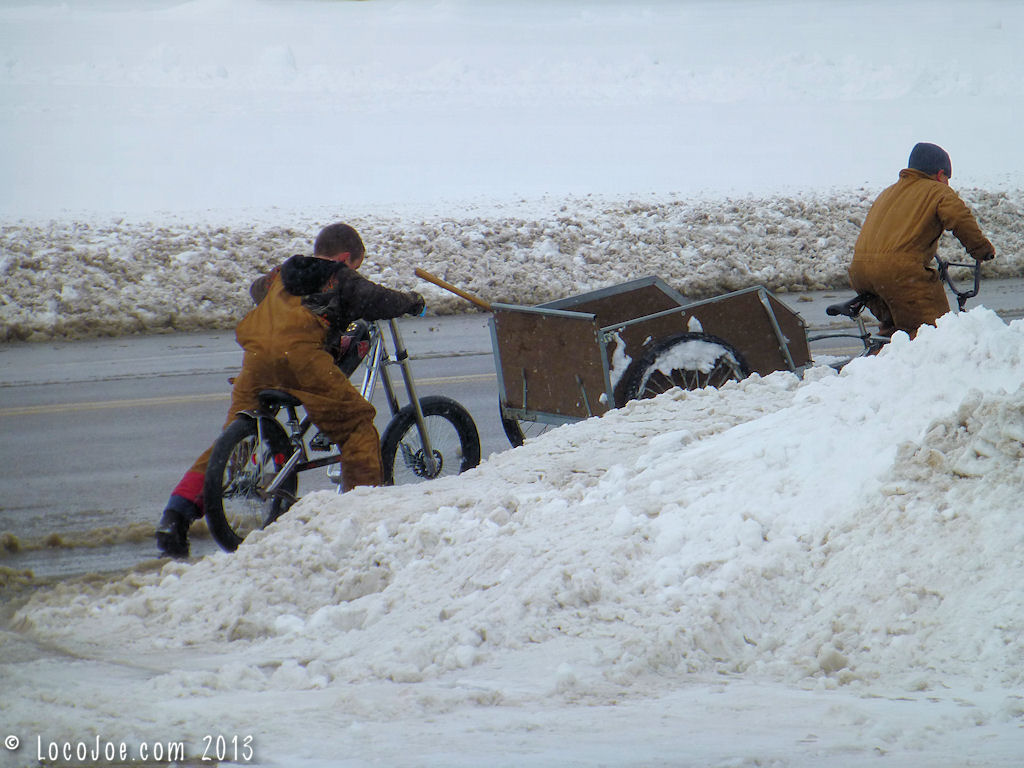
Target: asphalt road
{"x":96,"y":433}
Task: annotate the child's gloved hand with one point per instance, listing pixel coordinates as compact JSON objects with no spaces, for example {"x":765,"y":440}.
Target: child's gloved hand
{"x":419,"y":307}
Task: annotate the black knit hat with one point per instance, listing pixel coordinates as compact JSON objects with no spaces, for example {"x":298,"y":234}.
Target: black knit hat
{"x":930,"y":159}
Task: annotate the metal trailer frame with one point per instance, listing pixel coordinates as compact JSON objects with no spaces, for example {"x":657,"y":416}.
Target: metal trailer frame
{"x":565,"y":360}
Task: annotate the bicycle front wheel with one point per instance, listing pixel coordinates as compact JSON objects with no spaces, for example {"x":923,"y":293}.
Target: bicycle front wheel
{"x":453,"y":437}
{"x":243,"y":463}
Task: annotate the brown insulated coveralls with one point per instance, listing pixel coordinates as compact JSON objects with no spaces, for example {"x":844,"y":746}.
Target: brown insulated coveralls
{"x":893,"y":255}
{"x":284,"y":339}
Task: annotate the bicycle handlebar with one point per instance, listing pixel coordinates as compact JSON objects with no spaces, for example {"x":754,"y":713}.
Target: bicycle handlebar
{"x":961,"y":296}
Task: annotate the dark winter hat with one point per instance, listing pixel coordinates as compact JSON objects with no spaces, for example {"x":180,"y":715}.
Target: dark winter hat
{"x":930,"y":159}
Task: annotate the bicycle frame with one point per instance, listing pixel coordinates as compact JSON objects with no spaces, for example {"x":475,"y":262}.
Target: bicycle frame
{"x":378,"y":366}
{"x":377,"y":362}
{"x":872,"y":342}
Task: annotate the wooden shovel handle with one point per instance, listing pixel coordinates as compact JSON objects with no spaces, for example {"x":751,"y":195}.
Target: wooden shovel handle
{"x":449,"y":287}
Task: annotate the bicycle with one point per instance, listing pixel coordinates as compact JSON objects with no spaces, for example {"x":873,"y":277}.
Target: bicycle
{"x":252,"y":476}
{"x":872,"y":342}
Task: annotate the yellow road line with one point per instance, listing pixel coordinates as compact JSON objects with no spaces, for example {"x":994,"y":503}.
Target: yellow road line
{"x":144,"y":402}
{"x":140,"y":402}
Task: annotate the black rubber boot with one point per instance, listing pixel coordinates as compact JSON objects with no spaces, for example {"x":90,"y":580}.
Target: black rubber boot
{"x":172,"y":533}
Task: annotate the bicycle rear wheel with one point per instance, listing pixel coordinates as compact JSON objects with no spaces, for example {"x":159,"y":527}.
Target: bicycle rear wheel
{"x":453,"y":437}
{"x":244,"y":461}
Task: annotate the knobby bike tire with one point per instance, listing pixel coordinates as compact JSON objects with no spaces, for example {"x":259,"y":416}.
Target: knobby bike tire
{"x":240,"y":467}
{"x":686,"y":361}
{"x":453,"y":437}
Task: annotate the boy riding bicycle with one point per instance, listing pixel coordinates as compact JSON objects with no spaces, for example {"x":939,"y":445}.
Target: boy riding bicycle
{"x":893,"y":255}
{"x":290,"y":339}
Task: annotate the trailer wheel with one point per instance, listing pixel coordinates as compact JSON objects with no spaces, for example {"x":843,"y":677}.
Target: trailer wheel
{"x":519,"y":432}
{"x":687,"y":361}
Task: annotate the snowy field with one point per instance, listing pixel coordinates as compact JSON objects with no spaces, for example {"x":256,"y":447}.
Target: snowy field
{"x":778,"y":573}
{"x":69,"y":279}
{"x":782,"y":573}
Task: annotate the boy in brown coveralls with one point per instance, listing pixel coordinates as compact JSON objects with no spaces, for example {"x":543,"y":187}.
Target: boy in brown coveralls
{"x":302,"y":308}
{"x":894,"y":252}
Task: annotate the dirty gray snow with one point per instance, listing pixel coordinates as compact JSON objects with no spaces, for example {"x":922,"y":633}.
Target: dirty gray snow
{"x":69,"y":279}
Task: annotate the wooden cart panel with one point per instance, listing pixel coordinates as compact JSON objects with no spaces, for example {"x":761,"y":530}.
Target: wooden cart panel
{"x":769,"y":335}
{"x":549,"y":363}
{"x":621,"y":303}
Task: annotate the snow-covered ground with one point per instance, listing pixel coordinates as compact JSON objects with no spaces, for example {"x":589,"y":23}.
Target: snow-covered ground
{"x":783,"y":572}
{"x":777,"y":573}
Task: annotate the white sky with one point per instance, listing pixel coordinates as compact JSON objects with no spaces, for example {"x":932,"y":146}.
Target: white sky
{"x":223,"y":103}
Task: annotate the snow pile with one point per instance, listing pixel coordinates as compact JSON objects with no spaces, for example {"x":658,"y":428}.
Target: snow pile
{"x":68,"y":279}
{"x":855,"y":529}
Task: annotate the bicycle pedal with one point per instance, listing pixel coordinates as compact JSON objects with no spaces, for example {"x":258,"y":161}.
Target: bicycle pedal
{"x":320,"y":442}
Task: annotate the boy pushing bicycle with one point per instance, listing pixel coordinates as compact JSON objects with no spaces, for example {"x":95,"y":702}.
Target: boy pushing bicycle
{"x":290,"y":338}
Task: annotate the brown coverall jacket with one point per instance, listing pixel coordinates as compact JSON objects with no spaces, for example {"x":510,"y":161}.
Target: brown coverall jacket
{"x":303,"y":307}
{"x":893,"y":255}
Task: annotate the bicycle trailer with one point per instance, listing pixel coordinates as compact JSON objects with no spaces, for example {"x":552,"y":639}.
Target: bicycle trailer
{"x":583,"y":355}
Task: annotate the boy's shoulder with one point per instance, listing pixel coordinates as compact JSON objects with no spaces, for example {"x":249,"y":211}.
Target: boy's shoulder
{"x":261,"y":285}
{"x":303,"y":275}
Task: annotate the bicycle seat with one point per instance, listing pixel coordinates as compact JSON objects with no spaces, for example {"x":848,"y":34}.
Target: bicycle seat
{"x":850,"y":308}
{"x":278,"y":397}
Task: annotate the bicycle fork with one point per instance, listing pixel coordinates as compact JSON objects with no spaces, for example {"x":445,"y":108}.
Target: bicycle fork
{"x":376,"y":367}
{"x":402,"y":358}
